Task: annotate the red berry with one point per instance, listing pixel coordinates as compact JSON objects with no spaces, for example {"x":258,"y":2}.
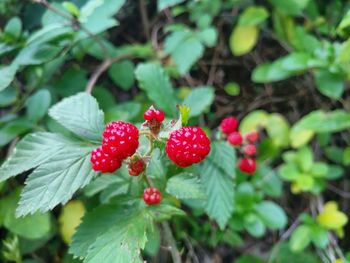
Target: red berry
{"x":229,"y":125}
{"x":247,"y":165}
{"x":136,"y":167}
{"x":152,"y":196}
{"x":252,"y":136}
{"x":249,"y":149}
{"x":235,"y":138}
{"x":153,"y":114}
{"x":120,"y":139}
{"x":187,"y":145}
{"x":103,"y":162}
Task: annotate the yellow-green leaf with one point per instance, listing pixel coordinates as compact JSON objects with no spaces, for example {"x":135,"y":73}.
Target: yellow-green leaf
{"x":331,"y":218}
{"x":253,"y":121}
{"x":70,"y":218}
{"x":300,"y":138}
{"x":243,"y":39}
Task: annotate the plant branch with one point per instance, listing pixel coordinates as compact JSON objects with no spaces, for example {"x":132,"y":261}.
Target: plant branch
{"x":170,"y":241}
{"x":101,"y":69}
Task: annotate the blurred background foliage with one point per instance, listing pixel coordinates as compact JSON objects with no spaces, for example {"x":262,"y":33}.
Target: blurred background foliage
{"x":281,"y":67}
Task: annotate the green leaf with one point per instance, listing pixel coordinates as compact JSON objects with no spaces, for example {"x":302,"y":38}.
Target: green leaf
{"x":12,"y":129}
{"x":277,"y":128}
{"x":253,"y":120}
{"x":319,"y":169}
{"x":199,"y":100}
{"x":71,"y":8}
{"x":55,"y":181}
{"x":271,"y":214}
{"x":185,"y":49}
{"x":13,"y":27}
{"x":122,"y":74}
{"x":300,"y":238}
{"x":268,"y":182}
{"x":101,"y":183}
{"x":344,"y":24}
{"x":346,"y":156}
{"x":253,"y":16}
{"x":33,"y":226}
{"x":72,"y":81}
{"x":38,"y":104}
{"x":217,"y":173}
{"x":185,"y":186}
{"x":291,"y":65}
{"x":155,"y":82}
{"x":243,"y":39}
{"x":319,"y":236}
{"x":49,"y":33}
{"x":33,"y":150}
{"x":290,"y":7}
{"x":289,"y":171}
{"x":7,"y":74}
{"x":232,"y":88}
{"x":305,"y":159}
{"x":97,"y":15}
{"x":8,"y":96}
{"x":254,"y":225}
{"x":111,"y":234}
{"x":329,"y":84}
{"x":162,"y":4}
{"x":208,"y":36}
{"x":81,"y":115}
{"x":320,"y":121}
{"x":37,"y":54}
{"x":164,"y":212}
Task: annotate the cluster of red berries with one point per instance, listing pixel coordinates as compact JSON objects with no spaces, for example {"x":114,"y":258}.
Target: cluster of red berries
{"x":120,"y":140}
{"x":246,"y":144}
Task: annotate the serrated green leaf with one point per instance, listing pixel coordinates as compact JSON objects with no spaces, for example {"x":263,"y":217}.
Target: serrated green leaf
{"x":55,"y":181}
{"x":101,"y":183}
{"x":81,"y":115}
{"x":163,"y":212}
{"x":199,"y":100}
{"x":155,"y":82}
{"x":271,"y":214}
{"x":111,"y":234}
{"x":185,"y":49}
{"x":33,"y":150}
{"x":217,"y":173}
{"x":185,"y":186}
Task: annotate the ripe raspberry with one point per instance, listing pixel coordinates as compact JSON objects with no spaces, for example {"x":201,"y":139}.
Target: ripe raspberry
{"x":247,"y":165}
{"x":249,"y":149}
{"x":235,"y":138}
{"x":252,"y":136}
{"x":153,"y":114}
{"x":152,"y":196}
{"x":103,"y":162}
{"x":120,"y":139}
{"x":187,"y":145}
{"x":136,"y":167}
{"x":229,"y":125}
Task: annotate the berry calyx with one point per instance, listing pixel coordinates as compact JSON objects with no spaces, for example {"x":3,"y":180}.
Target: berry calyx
{"x":229,"y":125}
{"x":252,"y":136}
{"x":235,"y":138}
{"x":153,"y":114}
{"x":120,"y":139}
{"x":136,"y":167}
{"x":187,"y":145}
{"x":249,"y":149}
{"x":247,"y":165}
{"x":103,"y":162}
{"x":152,"y":196}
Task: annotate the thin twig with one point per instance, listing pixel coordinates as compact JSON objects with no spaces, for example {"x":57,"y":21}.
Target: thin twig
{"x":101,"y":69}
{"x":169,"y":239}
{"x":144,"y":18}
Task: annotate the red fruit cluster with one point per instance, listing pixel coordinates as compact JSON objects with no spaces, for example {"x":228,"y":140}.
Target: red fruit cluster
{"x":136,"y":167}
{"x":152,"y":196}
{"x":154,"y":119}
{"x":187,"y":145}
{"x":120,"y":141}
{"x":246,"y":146}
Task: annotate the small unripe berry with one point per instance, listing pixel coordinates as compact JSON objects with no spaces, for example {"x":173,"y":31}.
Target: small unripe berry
{"x":103,"y":162}
{"x":235,"y":138}
{"x":152,"y":196}
{"x":252,"y":136}
{"x":247,"y":165}
{"x":249,"y":149}
{"x":153,"y":114}
{"x":229,"y":125}
{"x":136,"y":167}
